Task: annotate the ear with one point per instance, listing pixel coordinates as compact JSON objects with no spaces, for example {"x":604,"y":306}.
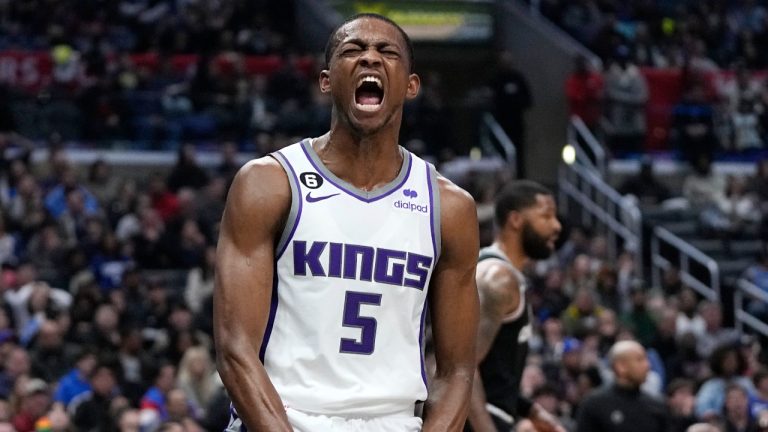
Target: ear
{"x":414,"y":84}
{"x":515,"y":220}
{"x":325,"y":81}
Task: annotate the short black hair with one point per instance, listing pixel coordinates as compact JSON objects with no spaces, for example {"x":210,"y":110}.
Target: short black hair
{"x":333,"y":39}
{"x":515,"y":196}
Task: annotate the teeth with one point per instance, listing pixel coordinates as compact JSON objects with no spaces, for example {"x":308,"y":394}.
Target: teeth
{"x":372,"y":79}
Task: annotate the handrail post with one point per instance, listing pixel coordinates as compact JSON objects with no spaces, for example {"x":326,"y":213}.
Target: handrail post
{"x":655,"y":252}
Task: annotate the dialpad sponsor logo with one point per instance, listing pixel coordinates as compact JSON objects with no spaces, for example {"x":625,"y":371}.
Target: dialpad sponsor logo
{"x":414,"y":207}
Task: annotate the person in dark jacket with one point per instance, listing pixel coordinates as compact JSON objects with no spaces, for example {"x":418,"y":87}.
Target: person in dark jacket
{"x":623,"y":407}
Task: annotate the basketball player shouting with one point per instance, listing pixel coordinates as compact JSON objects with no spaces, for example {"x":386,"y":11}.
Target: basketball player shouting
{"x":329,"y":252}
{"x":527,"y":229}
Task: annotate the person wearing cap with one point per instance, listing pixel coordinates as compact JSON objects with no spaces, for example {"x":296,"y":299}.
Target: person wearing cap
{"x":35,"y":402}
{"x":623,"y":406}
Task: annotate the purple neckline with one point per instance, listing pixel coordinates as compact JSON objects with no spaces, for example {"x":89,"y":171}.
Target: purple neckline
{"x":322,"y":171}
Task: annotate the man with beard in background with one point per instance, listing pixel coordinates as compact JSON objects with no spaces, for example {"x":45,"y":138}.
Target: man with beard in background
{"x":528,"y":228}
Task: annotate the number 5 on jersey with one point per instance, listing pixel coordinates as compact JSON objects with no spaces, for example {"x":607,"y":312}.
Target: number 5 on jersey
{"x":366,"y":324}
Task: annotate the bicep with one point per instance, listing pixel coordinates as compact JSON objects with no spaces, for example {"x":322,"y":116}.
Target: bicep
{"x":499,"y":295}
{"x":252,"y":219}
{"x":453,"y":292}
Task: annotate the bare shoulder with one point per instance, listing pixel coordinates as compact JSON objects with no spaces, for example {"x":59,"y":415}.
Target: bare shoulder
{"x":497,"y":281}
{"x":260,"y":193}
{"x":457,"y":205}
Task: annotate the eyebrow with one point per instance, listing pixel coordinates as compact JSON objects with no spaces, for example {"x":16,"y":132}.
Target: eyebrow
{"x":378,"y":44}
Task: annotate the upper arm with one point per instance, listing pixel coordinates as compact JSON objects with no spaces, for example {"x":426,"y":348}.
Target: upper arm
{"x":453,"y":294}
{"x":499,"y":296}
{"x":257,"y":205}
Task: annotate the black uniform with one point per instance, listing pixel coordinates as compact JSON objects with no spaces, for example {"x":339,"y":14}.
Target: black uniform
{"x":502,"y":368}
{"x":617,"y":409}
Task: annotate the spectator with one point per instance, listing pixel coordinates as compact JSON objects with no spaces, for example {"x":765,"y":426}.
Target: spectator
{"x":623,"y":406}
{"x":187,"y":172}
{"x":758,"y":184}
{"x":626,"y":93}
{"x":58,"y":200}
{"x":75,"y":382}
{"x":35,"y":402}
{"x":715,"y":335}
{"x":512,"y":98}
{"x":703,"y":427}
{"x":645,"y":187}
{"x":693,"y":125}
{"x":581,"y":316}
{"x":584,"y":90}
{"x":728,"y":366}
{"x":101,"y":182}
{"x":154,"y":401}
{"x":51,"y":354}
{"x":736,"y":410}
{"x":740,"y":207}
{"x":680,"y":402}
{"x":132,"y":357}
{"x":16,"y":364}
{"x":704,"y":188}
{"x":745,"y":124}
{"x":758,"y":401}
{"x":90,"y":411}
{"x":127,"y":420}
{"x":638,"y":319}
{"x":198,"y":379}
{"x":179,"y":408}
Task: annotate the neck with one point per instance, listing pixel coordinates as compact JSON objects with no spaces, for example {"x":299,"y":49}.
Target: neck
{"x":366,"y":161}
{"x":513,"y":249}
{"x":625,"y":384}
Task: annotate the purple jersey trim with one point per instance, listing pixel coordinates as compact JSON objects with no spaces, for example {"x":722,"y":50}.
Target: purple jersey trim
{"x":234,"y":417}
{"x":295,"y":189}
{"x":272,"y":313}
{"x":322,"y":172}
{"x":435,"y":208}
{"x":421,"y":344}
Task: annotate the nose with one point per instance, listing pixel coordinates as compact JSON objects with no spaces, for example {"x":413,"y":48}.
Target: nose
{"x":370,"y":58}
{"x":557,"y":226}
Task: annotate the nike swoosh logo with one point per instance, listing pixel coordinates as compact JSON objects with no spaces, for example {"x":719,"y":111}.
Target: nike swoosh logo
{"x":311,"y":199}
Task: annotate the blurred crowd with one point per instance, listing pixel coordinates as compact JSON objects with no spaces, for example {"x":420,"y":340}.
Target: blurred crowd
{"x":97,"y":28}
{"x":584,"y":302}
{"x":723,"y":105}
{"x":668,"y":34}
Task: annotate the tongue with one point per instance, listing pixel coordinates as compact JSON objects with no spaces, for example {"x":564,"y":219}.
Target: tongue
{"x":367,"y":98}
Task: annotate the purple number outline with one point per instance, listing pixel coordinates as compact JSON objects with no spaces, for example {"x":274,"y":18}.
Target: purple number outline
{"x":366,"y":324}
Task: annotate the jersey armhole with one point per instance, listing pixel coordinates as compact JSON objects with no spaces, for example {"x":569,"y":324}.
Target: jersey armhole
{"x":292,"y":221}
{"x":434,"y":198}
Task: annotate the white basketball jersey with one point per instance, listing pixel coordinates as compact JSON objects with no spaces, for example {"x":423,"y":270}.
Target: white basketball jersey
{"x":345,"y":331}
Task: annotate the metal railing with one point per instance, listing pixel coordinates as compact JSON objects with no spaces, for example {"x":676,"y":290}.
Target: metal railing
{"x":686,"y":253}
{"x":746,"y":290}
{"x":494,"y":140}
{"x":588,"y":149}
{"x":603,"y":208}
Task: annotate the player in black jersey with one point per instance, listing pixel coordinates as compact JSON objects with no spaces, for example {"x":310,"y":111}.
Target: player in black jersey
{"x":528,"y":228}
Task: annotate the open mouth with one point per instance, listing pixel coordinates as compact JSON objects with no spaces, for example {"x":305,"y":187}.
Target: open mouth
{"x":369,"y":93}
